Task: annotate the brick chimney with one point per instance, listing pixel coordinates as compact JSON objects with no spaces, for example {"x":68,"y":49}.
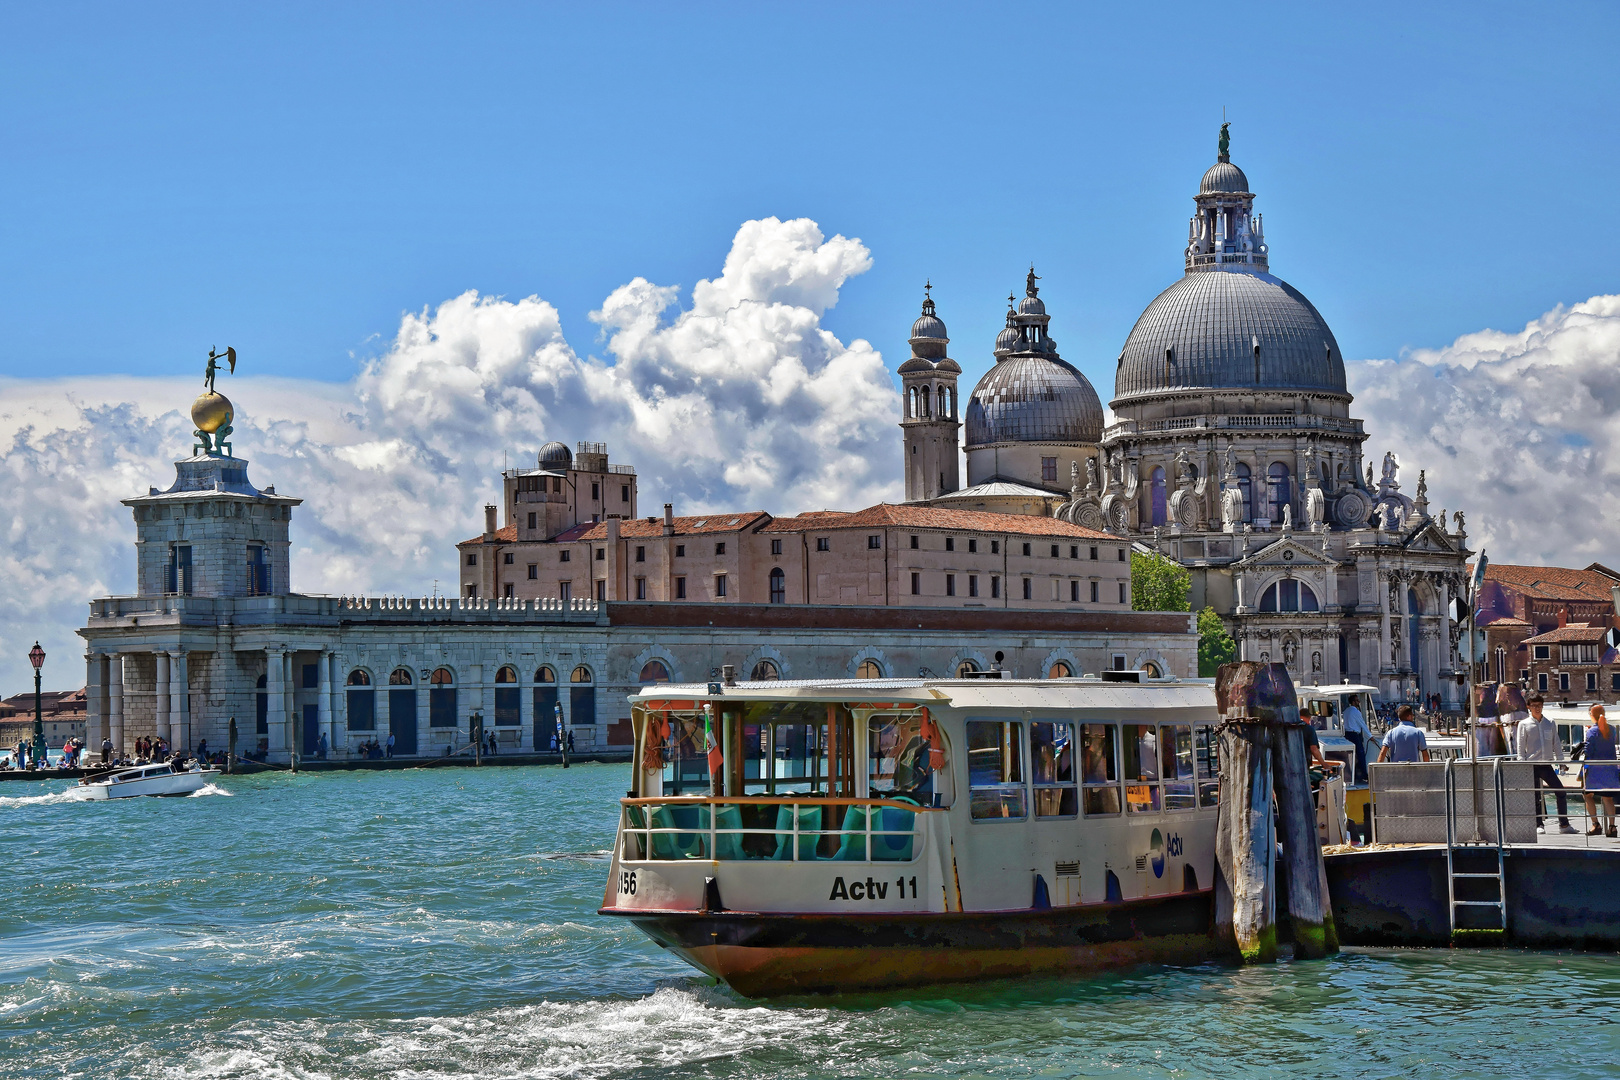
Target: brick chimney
{"x":489,"y":521}
{"x":669,"y":519}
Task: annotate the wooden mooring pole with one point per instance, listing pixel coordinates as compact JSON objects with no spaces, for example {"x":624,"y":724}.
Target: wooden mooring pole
{"x":1266,"y":796}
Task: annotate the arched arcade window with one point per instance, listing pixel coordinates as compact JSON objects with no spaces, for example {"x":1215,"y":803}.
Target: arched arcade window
{"x":442,"y":699}
{"x":581,"y":697}
{"x":869,"y":669}
{"x":400,"y":677}
{"x":508,"y":698}
{"x":654,"y":671}
{"x":1246,"y":488}
{"x":765,"y":671}
{"x":966,"y":668}
{"x":359,"y":677}
{"x":1060,"y":670}
{"x":1281,"y":490}
{"x":1156,"y":486}
{"x":778,"y":586}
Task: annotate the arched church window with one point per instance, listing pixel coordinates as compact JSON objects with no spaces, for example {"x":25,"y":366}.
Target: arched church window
{"x":1246,"y":487}
{"x":966,"y":668}
{"x":359,"y":677}
{"x":765,"y":671}
{"x":1157,"y":486}
{"x":1289,"y":595}
{"x":1281,"y":492}
{"x":506,"y":675}
{"x":1060,"y":670}
{"x":400,"y":677}
{"x":544,"y":674}
{"x":778,"y":586}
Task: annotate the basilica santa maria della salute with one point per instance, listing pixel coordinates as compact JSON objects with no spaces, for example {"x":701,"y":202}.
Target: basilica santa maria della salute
{"x":1232,"y":451}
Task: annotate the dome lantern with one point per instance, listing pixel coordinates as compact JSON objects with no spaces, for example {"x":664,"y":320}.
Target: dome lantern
{"x":1224,"y":231}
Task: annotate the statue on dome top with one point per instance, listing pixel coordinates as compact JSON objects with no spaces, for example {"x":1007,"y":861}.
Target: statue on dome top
{"x":1029,"y":283}
{"x":1226,"y":140}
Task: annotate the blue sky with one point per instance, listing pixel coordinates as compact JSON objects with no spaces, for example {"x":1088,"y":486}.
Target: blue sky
{"x":290,"y":178}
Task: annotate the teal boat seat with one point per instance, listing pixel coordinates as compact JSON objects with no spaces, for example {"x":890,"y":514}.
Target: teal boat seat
{"x":893,"y":848}
{"x":728,"y":845}
{"x":680,"y":845}
{"x":852,"y":844}
{"x":809,"y":822}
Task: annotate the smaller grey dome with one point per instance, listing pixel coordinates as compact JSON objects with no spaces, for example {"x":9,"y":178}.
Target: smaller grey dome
{"x":1223,"y":176}
{"x":1031,"y":305}
{"x":929,"y":326}
{"x":555,"y":454}
{"x":949,"y":365}
{"x":1007,"y":340}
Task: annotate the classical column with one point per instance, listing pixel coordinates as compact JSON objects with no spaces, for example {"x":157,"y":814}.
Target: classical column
{"x":115,"y":702}
{"x":488,"y":708}
{"x":179,"y":700}
{"x":95,"y":710}
{"x":160,"y":697}
{"x":276,"y":699}
{"x":424,"y":694}
{"x":339,"y":704}
{"x":323,"y":699}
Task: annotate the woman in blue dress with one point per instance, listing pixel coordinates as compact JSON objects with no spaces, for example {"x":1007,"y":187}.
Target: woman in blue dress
{"x":1601,"y":779}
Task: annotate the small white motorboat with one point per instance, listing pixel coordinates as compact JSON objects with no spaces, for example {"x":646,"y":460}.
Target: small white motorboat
{"x":161,"y":778}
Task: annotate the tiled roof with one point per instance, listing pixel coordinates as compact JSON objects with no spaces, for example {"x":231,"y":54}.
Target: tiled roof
{"x":654,"y":526}
{"x":51,"y":702}
{"x":934,"y":517}
{"x":1553,"y":582}
{"x":1578,"y":632}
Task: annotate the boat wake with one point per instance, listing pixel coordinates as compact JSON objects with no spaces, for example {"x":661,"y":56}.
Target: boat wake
{"x":208,"y":789}
{"x":71,"y":795}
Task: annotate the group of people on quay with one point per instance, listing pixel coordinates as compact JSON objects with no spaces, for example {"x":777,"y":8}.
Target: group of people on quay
{"x":23,"y":756}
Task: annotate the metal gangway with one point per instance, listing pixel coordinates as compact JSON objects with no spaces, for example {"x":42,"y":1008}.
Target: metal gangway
{"x":1478,"y":838}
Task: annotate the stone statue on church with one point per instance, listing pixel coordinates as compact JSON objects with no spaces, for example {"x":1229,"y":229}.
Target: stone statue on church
{"x":1226,"y":140}
{"x":1231,"y":509}
{"x":1369,"y":476}
{"x":1230,"y":472}
{"x":1391,"y":467}
{"x":1091,"y":475}
{"x":1288,"y":517}
{"x":1423,"y":484}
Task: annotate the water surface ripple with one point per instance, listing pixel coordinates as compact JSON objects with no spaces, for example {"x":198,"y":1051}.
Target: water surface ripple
{"x":441,"y":923}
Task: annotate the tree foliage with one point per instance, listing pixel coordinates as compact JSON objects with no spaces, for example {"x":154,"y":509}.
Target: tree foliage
{"x":1215,"y":645}
{"x":1158,"y":583}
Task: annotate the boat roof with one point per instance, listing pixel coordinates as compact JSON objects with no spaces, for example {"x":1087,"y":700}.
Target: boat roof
{"x":1090,"y":693}
{"x":1338,"y":688}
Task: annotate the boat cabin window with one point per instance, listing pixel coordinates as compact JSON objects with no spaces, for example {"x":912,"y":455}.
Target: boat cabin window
{"x":1051,"y":764}
{"x":1141,"y":768}
{"x":1208,"y":765}
{"x":995,"y":769}
{"x":1099,"y":767}
{"x":775,"y":748}
{"x":1176,"y":766}
{"x":1322,"y":714}
{"x":906,"y":756}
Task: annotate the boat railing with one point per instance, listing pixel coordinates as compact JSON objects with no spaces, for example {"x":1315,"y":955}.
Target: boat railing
{"x":771,"y":828}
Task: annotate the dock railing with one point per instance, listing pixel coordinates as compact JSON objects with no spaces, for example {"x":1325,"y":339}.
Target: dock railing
{"x":1486,"y":800}
{"x":771,"y":828}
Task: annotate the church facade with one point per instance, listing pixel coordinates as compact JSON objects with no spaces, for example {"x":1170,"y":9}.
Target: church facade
{"x":1233,"y":450}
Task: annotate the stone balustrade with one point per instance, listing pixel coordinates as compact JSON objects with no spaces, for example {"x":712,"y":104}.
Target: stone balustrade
{"x":249,"y":611}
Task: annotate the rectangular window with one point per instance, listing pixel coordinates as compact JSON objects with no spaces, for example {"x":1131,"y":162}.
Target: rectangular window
{"x":472,"y":592}
{"x":680,"y":588}
{"x":596,"y":491}
{"x":1051,"y":769}
{"x":1049,"y":470}
{"x":1074,"y":592}
{"x":995,"y":770}
{"x":1563,"y":680}
{"x":823,"y":544}
{"x":601,"y":554}
{"x":720,"y":548}
{"x":995,"y":547}
{"x":950,"y":543}
{"x":533,"y":520}
{"x":258,"y":572}
{"x":1119,"y":661}
{"x":556,"y":485}
{"x":1026,"y":549}
{"x":1124,"y":597}
{"x":1614,"y":681}
{"x":1094,"y":586}
{"x":720,"y":585}
{"x":1121,"y":554}
{"x":1074,"y":551}
{"x":1176,"y":766}
{"x":913,"y":543}
{"x":534,"y":571}
{"x":601,"y":589}
{"x":1094,"y":553}
{"x":995,"y":588}
{"x":1029,"y":589}
{"x":1541,"y":682}
{"x":564,"y":555}
{"x":506,"y":559}
{"x":641,"y":554}
{"x":916,"y":590}
{"x":1099,"y":768}
{"x":565,"y":591}
{"x":1054,"y":551}
{"x":1543,"y":652}
{"x":973,"y":545}
{"x":510,"y":590}
{"x":1207,"y":761}
{"x":472,"y":558}
{"x":641,"y":588}
{"x":973,"y":585}
{"x":950,"y":584}
{"x":624,"y":492}
{"x":309,"y":676}
{"x":680,"y":551}
{"x":874,"y":543}
{"x":1591,"y":680}
{"x":776,"y":547}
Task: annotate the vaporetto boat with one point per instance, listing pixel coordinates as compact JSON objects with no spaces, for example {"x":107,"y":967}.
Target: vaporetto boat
{"x":792,"y":837}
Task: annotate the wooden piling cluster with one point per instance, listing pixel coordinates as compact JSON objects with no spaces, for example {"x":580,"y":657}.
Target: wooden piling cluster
{"x":1266,"y":798}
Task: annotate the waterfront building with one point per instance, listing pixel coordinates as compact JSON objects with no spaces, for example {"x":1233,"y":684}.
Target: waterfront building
{"x":1544,"y":626}
{"x":63,"y":712}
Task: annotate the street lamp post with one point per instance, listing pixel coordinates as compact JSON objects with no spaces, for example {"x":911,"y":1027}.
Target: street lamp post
{"x":36,"y":656}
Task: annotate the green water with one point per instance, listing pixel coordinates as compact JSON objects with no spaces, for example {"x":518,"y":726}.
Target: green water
{"x":442,"y":924}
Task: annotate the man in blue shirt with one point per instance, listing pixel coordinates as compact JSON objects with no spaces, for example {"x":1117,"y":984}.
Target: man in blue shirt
{"x":1355,"y":729}
{"x":1404,"y":742}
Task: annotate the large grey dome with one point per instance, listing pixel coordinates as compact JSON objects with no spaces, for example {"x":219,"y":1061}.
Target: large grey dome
{"x":1229,"y":330}
{"x":1033,"y":399}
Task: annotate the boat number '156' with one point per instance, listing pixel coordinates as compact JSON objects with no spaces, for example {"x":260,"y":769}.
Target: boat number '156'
{"x":627,"y":882}
{"x":871,"y":890}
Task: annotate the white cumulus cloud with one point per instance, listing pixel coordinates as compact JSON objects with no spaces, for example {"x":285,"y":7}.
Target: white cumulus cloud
{"x":738,"y":400}
{"x":1519,"y":429}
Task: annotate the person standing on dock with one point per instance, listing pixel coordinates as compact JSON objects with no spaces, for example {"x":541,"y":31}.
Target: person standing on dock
{"x":1355,"y":729}
{"x":1537,"y":740}
{"x":1405,"y":741}
{"x":1602,"y":774}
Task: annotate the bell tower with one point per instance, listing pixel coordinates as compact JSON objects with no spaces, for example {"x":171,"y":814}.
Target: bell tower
{"x":930,"y":419}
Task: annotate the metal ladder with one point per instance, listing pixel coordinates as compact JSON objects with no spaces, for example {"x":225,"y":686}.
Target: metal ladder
{"x":1452,"y":844}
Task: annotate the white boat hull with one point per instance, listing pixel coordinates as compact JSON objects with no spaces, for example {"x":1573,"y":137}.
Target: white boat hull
{"x":182,"y":783}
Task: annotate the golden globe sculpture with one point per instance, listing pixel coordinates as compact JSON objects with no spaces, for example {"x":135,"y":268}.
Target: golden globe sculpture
{"x":212,"y":411}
